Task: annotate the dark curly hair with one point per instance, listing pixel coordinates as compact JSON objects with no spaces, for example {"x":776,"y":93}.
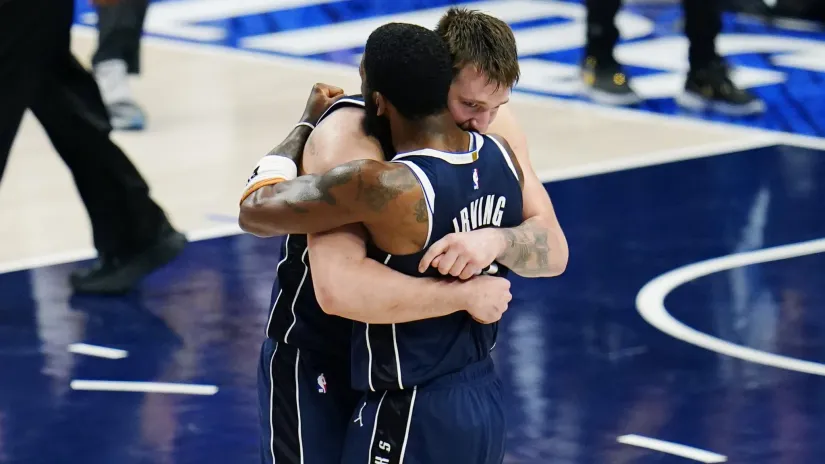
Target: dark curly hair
{"x":411,"y":67}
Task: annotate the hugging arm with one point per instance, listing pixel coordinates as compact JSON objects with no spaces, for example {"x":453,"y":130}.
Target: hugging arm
{"x":535,"y":248}
{"x":360,"y":191}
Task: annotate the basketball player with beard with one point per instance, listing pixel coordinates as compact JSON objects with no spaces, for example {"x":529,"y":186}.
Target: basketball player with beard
{"x":346,"y":281}
{"x":428,"y":381}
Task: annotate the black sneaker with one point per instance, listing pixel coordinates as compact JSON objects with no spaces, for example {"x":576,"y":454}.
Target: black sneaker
{"x":605,"y":82}
{"x":711,"y":88}
{"x":115,"y":275}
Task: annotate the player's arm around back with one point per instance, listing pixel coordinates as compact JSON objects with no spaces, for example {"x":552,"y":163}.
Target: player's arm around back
{"x":349,"y":284}
{"x":537,"y":247}
{"x":358,"y":191}
{"x":281,"y":163}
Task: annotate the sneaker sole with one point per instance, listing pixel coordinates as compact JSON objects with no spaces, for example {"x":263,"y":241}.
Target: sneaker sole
{"x":695,"y":102}
{"x":134,"y":124}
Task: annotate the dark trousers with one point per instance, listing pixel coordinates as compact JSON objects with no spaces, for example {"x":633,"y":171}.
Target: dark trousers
{"x":120,"y":27}
{"x":38,"y":72}
{"x":703,"y":22}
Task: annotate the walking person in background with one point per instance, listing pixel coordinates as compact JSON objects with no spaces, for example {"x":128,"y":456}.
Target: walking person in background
{"x":38,"y":72}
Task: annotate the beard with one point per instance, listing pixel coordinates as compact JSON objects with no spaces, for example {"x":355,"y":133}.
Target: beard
{"x":378,"y":127}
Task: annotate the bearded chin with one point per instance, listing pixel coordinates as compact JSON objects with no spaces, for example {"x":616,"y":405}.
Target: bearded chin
{"x":378,"y":127}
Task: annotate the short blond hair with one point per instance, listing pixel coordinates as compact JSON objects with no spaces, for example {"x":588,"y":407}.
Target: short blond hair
{"x":478,"y":39}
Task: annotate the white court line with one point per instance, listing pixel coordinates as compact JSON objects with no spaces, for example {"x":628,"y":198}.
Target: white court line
{"x":89,"y":253}
{"x":688,"y":452}
{"x":650,"y":304}
{"x":143,"y":387}
{"x":97,"y":351}
{"x":676,"y":120}
{"x":550,"y":175}
{"x":657,"y":157}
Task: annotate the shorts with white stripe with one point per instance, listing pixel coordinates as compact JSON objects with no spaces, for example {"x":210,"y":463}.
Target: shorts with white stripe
{"x":305,"y":405}
{"x":457,"y":418}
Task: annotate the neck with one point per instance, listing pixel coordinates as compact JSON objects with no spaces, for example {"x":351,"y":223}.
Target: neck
{"x":438,"y":132}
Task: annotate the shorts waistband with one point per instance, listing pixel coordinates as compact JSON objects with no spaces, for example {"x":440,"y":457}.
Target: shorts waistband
{"x":478,"y":371}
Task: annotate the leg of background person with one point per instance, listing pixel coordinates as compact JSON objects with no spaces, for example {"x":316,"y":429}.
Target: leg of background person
{"x":131,"y":232}
{"x":604,"y":79}
{"x":708,"y":84}
{"x":120,"y":27}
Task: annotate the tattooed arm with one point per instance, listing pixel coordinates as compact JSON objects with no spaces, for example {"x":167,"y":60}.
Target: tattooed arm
{"x":375,"y":193}
{"x":320,"y":99}
{"x":526,"y":251}
{"x":536,"y":248}
{"x":250,"y":218}
{"x":524,"y":248}
{"x":349,"y":284}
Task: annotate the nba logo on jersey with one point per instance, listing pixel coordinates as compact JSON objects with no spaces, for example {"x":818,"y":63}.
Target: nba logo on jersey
{"x":475,"y":179}
{"x":322,"y":384}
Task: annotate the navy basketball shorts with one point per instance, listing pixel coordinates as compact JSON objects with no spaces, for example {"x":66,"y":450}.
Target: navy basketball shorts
{"x":455,"y":419}
{"x":306,"y":402}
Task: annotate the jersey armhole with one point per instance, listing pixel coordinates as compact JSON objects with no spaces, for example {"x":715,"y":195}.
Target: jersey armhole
{"x":429,"y":195}
{"x":507,"y":157}
{"x":341,"y":102}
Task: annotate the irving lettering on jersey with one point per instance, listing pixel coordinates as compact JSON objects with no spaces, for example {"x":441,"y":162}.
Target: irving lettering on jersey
{"x":485,"y":211}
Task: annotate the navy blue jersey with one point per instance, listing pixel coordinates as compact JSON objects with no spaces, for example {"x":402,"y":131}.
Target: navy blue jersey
{"x":296,"y":317}
{"x":464,"y":191}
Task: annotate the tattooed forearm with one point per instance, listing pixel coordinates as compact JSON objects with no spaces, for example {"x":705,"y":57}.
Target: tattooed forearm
{"x":301,"y":193}
{"x":350,"y":187}
{"x":358,"y":191}
{"x":527,"y":252}
{"x":293,"y":145}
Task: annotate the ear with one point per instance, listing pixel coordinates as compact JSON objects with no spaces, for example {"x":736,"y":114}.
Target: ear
{"x":381,"y":103}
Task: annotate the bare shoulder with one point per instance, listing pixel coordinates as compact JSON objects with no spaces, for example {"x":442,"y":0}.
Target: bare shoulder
{"x":511,"y":154}
{"x":397,"y":214}
{"x":507,"y":126}
{"x":379,"y":182}
{"x":339,"y":139}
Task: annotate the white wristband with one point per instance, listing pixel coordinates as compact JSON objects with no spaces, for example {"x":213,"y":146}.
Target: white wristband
{"x":271,"y":169}
{"x":304,"y":123}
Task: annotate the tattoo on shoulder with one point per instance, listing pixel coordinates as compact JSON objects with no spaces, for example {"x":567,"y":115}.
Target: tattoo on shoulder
{"x":335,"y":178}
{"x":421,"y":211}
{"x":391,"y":184}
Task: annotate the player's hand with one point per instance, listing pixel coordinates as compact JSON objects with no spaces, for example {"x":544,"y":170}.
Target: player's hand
{"x":320,"y":99}
{"x":487,"y":298}
{"x":463,"y":254}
